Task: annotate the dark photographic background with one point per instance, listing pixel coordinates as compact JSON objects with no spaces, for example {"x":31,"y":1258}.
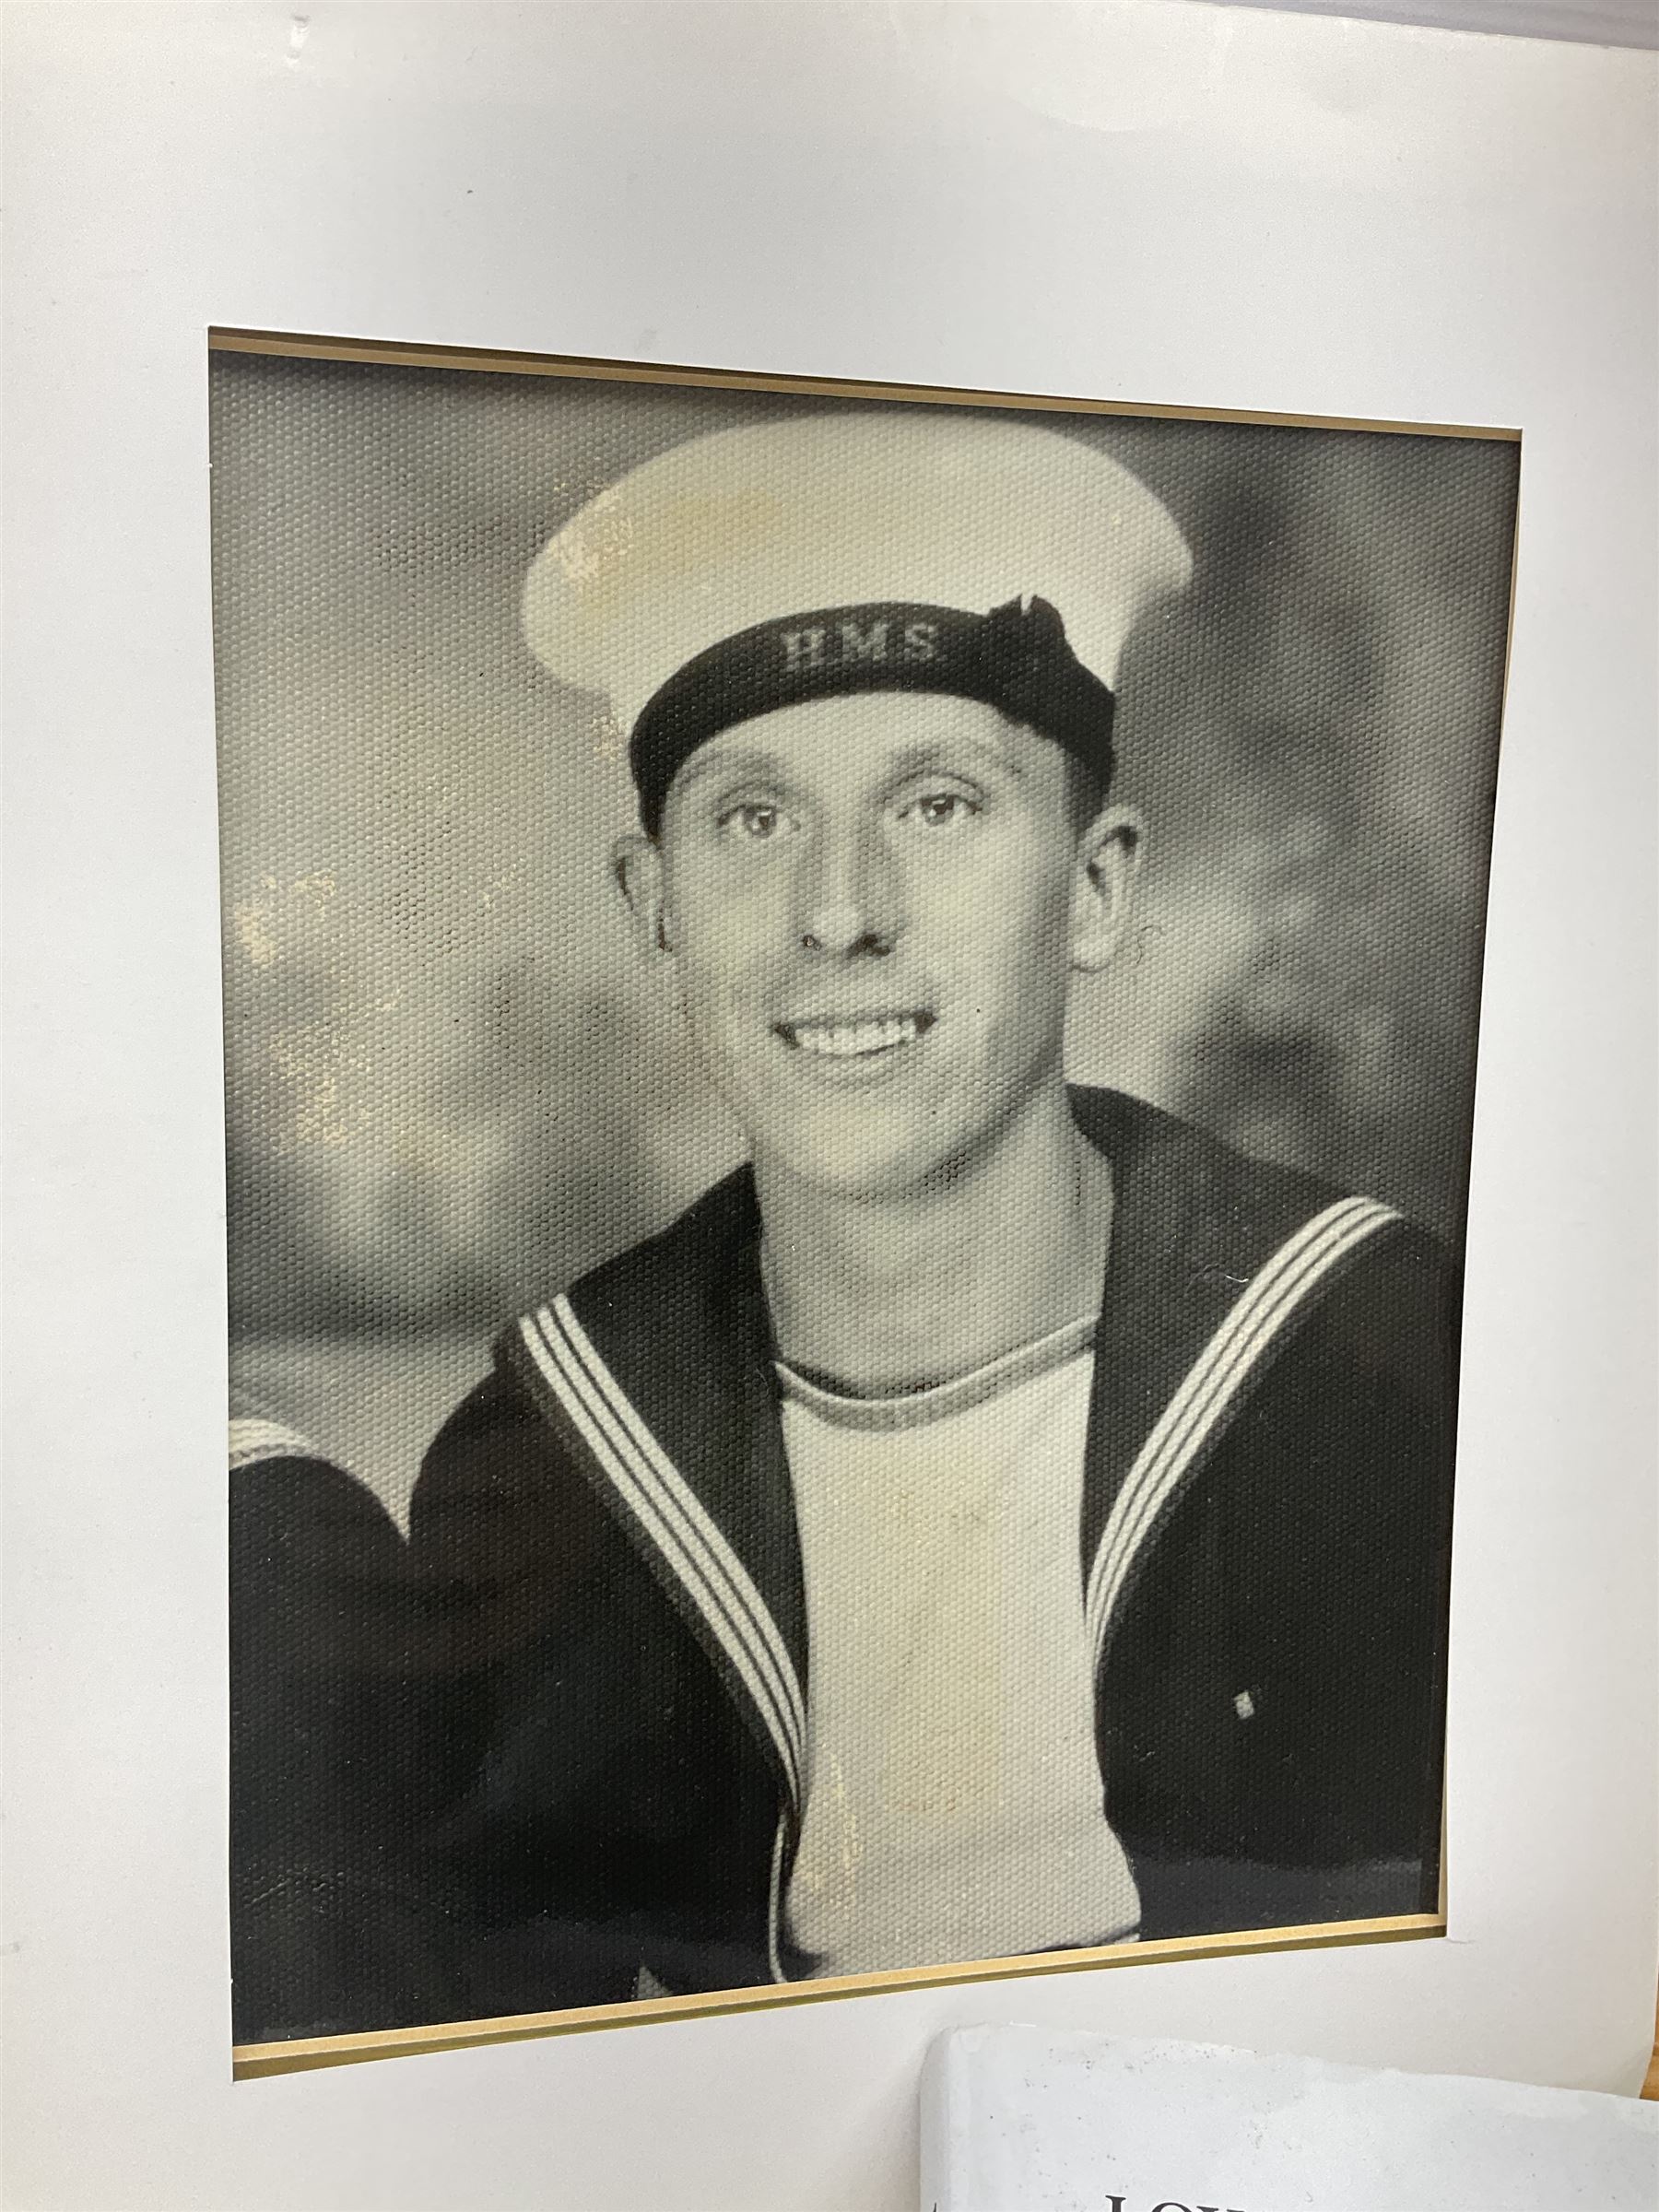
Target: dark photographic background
{"x":450,"y":1089}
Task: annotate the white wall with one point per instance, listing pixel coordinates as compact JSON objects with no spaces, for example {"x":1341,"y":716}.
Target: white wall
{"x":1216,"y":208}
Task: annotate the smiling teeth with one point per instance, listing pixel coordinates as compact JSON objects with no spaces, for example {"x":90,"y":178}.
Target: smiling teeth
{"x":848,"y":1040}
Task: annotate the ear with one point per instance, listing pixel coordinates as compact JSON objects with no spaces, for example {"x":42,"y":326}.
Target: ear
{"x":636,"y":866}
{"x":1108,"y":861}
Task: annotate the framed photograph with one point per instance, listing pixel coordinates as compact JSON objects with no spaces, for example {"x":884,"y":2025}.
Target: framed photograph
{"x":850,"y":1019}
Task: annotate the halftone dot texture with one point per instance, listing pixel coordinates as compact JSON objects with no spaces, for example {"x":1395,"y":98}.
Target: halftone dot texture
{"x":953,"y":1794}
{"x":451,"y":1091}
{"x":750,"y":525}
{"x":449,"y":1086}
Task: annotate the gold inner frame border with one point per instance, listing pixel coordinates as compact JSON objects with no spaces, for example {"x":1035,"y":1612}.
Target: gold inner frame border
{"x":252,"y":2062}
{"x":309,"y":345}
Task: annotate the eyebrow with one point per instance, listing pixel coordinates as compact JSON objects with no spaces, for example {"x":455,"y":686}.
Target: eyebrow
{"x":704,"y":766}
{"x":940,"y":754}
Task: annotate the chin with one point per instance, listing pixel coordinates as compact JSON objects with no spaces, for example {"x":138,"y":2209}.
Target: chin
{"x":856,"y":1158}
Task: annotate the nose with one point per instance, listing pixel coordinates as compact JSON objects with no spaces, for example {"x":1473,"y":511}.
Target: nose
{"x":850,"y":894}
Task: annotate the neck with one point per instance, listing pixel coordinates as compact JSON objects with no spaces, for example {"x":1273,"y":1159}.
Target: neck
{"x":889,"y":1292}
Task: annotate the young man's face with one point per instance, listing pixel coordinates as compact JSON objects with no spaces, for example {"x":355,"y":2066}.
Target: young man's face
{"x":873,"y":906}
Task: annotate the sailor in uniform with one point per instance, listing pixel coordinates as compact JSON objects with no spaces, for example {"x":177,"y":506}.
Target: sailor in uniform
{"x":1000,"y":1518}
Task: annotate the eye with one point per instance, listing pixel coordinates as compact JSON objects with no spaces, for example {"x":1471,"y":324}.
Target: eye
{"x":753,"y":821}
{"x":941,"y":810}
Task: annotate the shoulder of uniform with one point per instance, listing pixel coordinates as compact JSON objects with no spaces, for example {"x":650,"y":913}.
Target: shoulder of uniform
{"x":1229,"y":1212}
{"x":1287,"y":1269}
{"x":492,"y":1407}
{"x":1379,"y":1285}
{"x":255,"y":1438}
{"x":688,"y":1258}
{"x":289,"y":1494}
{"x":319,"y":1567}
{"x":1398,"y":1305}
{"x":1141,"y":1139}
{"x":499,"y":1500}
{"x":1355,"y":1424}
{"x":493,"y":1436}
{"x":657,"y":1298}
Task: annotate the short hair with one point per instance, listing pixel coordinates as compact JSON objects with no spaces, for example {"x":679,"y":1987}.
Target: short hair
{"x":1085,"y":787}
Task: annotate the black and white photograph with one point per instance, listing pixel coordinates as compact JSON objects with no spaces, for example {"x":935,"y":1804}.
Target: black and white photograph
{"x":850,"y":1033}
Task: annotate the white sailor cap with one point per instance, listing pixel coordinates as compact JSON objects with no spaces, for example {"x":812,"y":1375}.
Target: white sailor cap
{"x":896,"y":549}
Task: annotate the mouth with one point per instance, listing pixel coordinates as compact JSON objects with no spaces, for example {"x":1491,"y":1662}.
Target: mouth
{"x":865,"y":1037}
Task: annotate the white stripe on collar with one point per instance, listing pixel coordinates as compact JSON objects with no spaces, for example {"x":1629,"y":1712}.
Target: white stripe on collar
{"x":673,"y":1520}
{"x":252,"y":1440}
{"x":1211,"y":1389}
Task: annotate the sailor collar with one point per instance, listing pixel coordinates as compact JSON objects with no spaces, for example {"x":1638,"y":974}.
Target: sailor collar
{"x":656,"y":1372}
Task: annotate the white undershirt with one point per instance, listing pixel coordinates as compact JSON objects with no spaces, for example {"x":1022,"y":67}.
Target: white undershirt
{"x":953,"y":1803}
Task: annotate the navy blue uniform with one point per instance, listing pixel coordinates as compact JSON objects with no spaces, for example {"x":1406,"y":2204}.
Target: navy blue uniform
{"x":571,"y":1710}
